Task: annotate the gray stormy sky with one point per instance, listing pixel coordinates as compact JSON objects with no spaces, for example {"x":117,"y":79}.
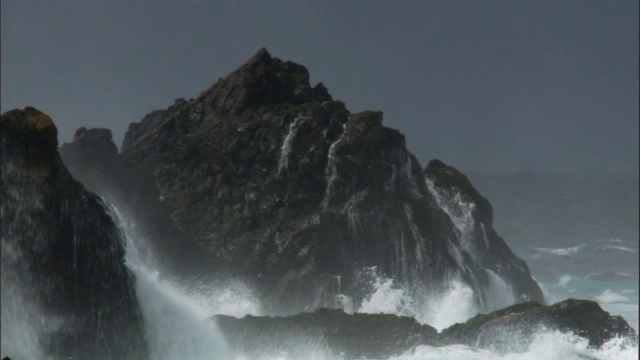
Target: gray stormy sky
{"x":487,"y":86}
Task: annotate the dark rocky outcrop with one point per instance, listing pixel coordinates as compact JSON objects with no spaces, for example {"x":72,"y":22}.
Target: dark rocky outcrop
{"x":284,"y":187}
{"x":63,"y":260}
{"x":472,"y":215}
{"x":513,"y":328}
{"x":93,"y":159}
{"x":381,"y":335}
{"x":370,"y":336}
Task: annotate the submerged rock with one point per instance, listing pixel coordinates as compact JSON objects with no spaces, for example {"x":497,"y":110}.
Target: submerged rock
{"x":371,"y":336}
{"x":63,"y":272}
{"x":513,"y":328}
{"x":283,"y":187}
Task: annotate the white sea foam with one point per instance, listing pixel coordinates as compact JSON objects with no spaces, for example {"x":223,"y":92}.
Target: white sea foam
{"x":177,"y":321}
{"x":455,"y":305}
{"x":387,"y":299}
{"x":549,"y":345}
{"x":562,"y":251}
{"x":621,"y":248}
{"x":609,"y":296}
{"x":612,"y":241}
{"x":606,"y":244}
{"x":564,"y":280}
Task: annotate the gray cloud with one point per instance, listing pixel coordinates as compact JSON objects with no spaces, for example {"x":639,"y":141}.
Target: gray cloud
{"x":542,"y":86}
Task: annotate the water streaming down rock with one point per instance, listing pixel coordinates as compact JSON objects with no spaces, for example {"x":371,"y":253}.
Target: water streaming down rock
{"x":286,"y":145}
{"x":176,"y":325}
{"x":92,"y":158}
{"x":65,"y":289}
{"x":25,"y":325}
{"x":472,"y":216}
{"x":331,"y":172}
{"x":61,"y":256}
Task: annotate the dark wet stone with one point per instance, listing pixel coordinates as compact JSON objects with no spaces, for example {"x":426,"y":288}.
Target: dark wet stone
{"x":371,"y":336}
{"x":513,"y":328}
{"x":67,"y":255}
{"x":281,"y":187}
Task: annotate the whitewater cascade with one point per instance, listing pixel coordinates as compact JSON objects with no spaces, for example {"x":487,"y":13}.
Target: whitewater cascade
{"x":461,"y":213}
{"x":331,"y":170}
{"x":453,"y":303}
{"x":177,"y":325}
{"x":286,"y":145}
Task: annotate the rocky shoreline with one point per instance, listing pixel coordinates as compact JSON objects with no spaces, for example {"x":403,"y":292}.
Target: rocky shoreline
{"x":379,"y":336}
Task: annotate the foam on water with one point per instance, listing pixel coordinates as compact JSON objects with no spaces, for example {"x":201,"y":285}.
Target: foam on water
{"x":609,"y":296}
{"x":617,"y":247}
{"x":548,"y":345}
{"x":454,"y":305}
{"x":562,"y":251}
{"x":387,"y":299}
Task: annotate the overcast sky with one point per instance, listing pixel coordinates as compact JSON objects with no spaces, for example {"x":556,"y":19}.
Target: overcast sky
{"x":487,"y":86}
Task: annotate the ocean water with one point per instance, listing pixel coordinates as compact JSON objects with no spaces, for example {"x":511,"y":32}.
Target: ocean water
{"x":578,"y":234}
{"x":580,"y":240}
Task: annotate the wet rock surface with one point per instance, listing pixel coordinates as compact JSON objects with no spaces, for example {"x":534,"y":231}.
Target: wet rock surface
{"x":381,"y":335}
{"x":283,"y":187}
{"x":371,"y":336}
{"x":93,"y":159}
{"x":514,"y":327}
{"x":473,"y":217}
{"x":61,"y":252}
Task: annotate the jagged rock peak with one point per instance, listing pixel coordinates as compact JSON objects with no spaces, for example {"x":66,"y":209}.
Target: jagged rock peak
{"x":63,"y":237}
{"x":370,"y":118}
{"x":30,"y":124}
{"x":261,"y":56}
{"x":439,"y":168}
{"x":94,"y":134}
{"x":30,"y":136}
{"x":450,"y":177}
{"x":264,"y":80}
{"x":95,"y":140}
